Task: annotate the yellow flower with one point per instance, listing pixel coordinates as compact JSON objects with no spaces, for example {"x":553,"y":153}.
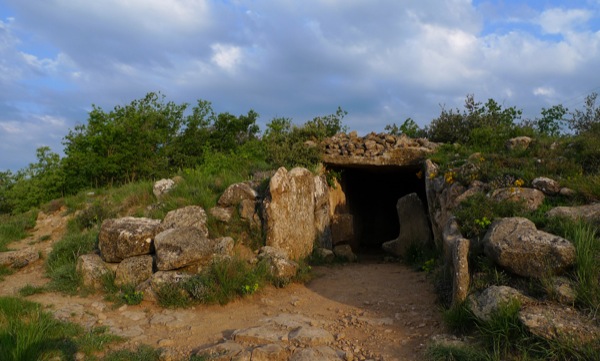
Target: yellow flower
{"x":419,"y":174}
{"x":519,"y":183}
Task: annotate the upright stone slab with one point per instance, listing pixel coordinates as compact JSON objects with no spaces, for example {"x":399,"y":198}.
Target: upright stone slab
{"x":414,"y":225}
{"x":290,"y":212}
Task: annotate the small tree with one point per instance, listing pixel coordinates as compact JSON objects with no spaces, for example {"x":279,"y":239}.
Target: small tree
{"x":583,"y":120}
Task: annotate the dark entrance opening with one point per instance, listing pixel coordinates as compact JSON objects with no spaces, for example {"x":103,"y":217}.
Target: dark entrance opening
{"x":372,"y":194}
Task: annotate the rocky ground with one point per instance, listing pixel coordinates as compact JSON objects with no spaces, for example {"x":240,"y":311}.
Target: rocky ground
{"x":359,"y":311}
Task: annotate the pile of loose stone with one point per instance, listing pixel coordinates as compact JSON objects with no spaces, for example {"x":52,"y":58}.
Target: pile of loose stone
{"x":371,"y":145}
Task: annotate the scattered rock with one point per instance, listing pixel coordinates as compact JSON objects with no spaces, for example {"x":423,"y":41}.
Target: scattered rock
{"x":190,"y":216}
{"x":181,"y":247}
{"x":588,"y":213}
{"x":126,"y":237}
{"x":546,"y":185}
{"x":516,"y":244}
{"x":518,"y":143}
{"x":221,"y":213}
{"x":531,"y":198}
{"x":92,"y":270}
{"x":18,"y":259}
{"x":162,"y":186}
{"x":235,"y":194}
{"x":486,"y":303}
{"x":460,"y":268}
{"x":558,"y":323}
{"x":344,"y":251}
{"x":134,"y":270}
{"x":280,"y":266}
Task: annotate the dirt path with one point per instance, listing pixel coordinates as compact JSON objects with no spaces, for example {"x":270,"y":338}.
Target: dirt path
{"x":380,"y":311}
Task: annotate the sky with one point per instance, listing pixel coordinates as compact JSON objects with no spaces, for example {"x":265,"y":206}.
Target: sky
{"x":382,"y":61}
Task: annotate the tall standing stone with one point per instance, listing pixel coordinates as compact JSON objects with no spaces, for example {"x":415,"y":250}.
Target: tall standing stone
{"x":290,"y":212}
{"x":414,"y":225}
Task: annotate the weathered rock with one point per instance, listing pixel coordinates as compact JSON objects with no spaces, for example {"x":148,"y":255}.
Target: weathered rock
{"x":190,"y":216}
{"x":325,"y":254}
{"x":518,"y":143}
{"x":134,"y":270}
{"x":18,"y":259}
{"x":486,"y":303}
{"x":321,"y":353}
{"x":92,"y":270}
{"x":342,"y":229}
{"x":344,"y":251}
{"x":126,"y":237}
{"x":531,"y":198}
{"x":235,"y":194}
{"x":280,"y":267}
{"x":226,"y":351}
{"x":546,"y":185}
{"x":270,"y":352}
{"x":161,"y":278}
{"x":221,"y":213}
{"x":322,"y":213}
{"x":224,"y":246}
{"x":460,"y":270}
{"x":258,"y":335}
{"x":162,"y":186}
{"x":414,"y":226}
{"x":558,"y":323}
{"x":562,"y":291}
{"x":588,"y":213}
{"x":247,"y":209}
{"x":516,"y":244}
{"x":311,"y":336}
{"x":290,"y":212}
{"x":181,"y":247}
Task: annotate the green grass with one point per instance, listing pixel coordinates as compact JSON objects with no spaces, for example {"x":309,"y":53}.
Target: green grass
{"x":61,"y":262}
{"x":587,"y":267}
{"x":443,"y":352}
{"x":5,"y":271}
{"x":29,"y":290}
{"x":15,"y":227}
{"x":29,"y":333}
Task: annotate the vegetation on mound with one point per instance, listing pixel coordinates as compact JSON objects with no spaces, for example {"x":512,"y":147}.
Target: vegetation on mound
{"x":111,"y":162}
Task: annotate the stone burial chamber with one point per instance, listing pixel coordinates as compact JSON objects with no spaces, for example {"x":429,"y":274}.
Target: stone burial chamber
{"x":379,"y":182}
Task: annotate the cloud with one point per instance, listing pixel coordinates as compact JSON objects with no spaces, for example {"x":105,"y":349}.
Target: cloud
{"x":383,"y":61}
{"x":560,"y":21}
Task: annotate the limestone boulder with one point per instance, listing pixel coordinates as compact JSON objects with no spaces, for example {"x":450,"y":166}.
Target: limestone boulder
{"x":279,"y":265}
{"x":182,"y":247}
{"x":589,"y":213}
{"x":414,"y":226}
{"x":190,"y":216}
{"x":92,"y":270}
{"x":290,"y":212}
{"x":344,"y":251}
{"x":516,"y":244}
{"x":162,"y":187}
{"x":126,"y":237}
{"x":18,"y":259}
{"x":134,"y":270}
{"x":221,"y":213}
{"x":531,"y":198}
{"x":236,"y":193}
{"x":547,"y":185}
{"x":518,"y":143}
{"x":559,"y":323}
{"x":489,"y":301}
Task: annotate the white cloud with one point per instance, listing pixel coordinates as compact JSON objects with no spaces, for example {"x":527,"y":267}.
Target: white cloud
{"x":226,"y":56}
{"x":560,"y":21}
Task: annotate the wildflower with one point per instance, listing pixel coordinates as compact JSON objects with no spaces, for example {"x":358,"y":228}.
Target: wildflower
{"x":419,"y":174}
{"x":449,"y":177}
{"x":519,"y":183}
